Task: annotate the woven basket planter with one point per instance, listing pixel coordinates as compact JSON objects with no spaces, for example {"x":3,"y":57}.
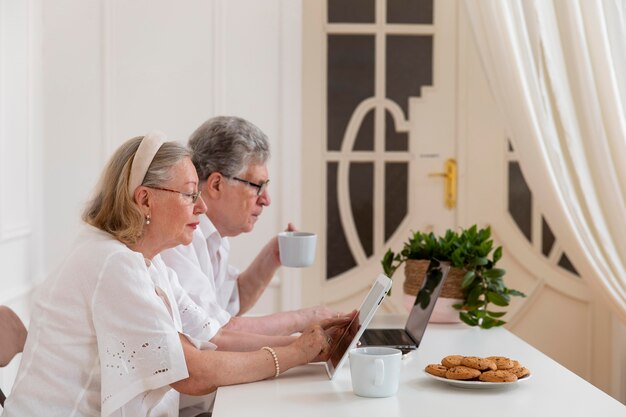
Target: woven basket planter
{"x":415,"y":271}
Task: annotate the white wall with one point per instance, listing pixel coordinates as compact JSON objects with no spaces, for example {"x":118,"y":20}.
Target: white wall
{"x":20,"y":158}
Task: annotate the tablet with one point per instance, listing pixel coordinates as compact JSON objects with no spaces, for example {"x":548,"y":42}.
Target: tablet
{"x":355,"y":329}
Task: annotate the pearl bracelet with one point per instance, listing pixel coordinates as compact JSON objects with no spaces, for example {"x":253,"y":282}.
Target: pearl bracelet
{"x":275,"y":357}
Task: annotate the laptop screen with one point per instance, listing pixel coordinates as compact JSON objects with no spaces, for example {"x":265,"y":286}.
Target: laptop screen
{"x":426,"y":298}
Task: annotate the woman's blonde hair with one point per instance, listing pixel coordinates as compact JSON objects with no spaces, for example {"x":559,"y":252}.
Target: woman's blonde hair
{"x":113,"y":209}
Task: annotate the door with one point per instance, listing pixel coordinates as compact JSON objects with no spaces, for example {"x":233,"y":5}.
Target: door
{"x":392,"y":89}
{"x":378,"y":116}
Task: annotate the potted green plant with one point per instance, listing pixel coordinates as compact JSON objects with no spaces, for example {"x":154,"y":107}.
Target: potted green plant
{"x":472,"y":251}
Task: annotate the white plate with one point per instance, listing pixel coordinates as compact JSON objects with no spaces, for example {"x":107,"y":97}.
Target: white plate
{"x":479,"y":384}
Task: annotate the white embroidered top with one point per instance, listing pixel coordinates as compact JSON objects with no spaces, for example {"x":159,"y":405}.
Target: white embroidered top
{"x":203,"y":270}
{"x":103,"y":340}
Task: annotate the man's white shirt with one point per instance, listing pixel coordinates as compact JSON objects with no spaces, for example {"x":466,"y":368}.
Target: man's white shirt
{"x":203,"y":271}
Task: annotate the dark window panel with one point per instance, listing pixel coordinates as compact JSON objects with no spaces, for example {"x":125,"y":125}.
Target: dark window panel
{"x":396,"y":195}
{"x":365,"y":136}
{"x":339,"y":258}
{"x":394,"y":140}
{"x":566,"y":264}
{"x":409,"y":66}
{"x":547,"y":237}
{"x":520,"y":200}
{"x":351,"y":11}
{"x":361,"y":180}
{"x":350,"y":81}
{"x":410,"y":11}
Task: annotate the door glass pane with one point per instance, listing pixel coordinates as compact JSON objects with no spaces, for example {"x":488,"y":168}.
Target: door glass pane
{"x":365,"y":138}
{"x":566,"y":264}
{"x":520,"y":200}
{"x":351,"y":11}
{"x":409,"y":67}
{"x":547,"y":237}
{"x":338,"y":255}
{"x":396,"y":195}
{"x":350,"y":81}
{"x":361,"y":179}
{"x":410,"y":11}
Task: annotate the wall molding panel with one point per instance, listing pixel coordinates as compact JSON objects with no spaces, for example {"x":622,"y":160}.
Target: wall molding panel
{"x":16,"y":170}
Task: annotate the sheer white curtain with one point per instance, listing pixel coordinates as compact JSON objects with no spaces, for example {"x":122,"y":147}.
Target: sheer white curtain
{"x":557,"y":69}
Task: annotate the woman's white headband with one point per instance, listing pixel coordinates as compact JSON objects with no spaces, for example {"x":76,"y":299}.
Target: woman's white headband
{"x":148,"y":147}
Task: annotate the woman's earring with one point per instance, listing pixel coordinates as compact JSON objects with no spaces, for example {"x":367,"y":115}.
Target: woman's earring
{"x":147,"y":219}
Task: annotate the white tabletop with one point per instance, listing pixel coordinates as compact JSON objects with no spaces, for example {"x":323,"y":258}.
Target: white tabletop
{"x":306,"y":391}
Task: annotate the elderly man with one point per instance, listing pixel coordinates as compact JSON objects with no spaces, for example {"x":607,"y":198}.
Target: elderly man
{"x":230,"y":155}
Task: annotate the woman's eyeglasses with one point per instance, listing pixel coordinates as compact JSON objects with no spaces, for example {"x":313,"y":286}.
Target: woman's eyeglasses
{"x":192,"y":196}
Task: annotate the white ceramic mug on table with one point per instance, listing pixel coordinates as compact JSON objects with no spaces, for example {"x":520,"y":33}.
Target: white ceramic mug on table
{"x":375,"y":371}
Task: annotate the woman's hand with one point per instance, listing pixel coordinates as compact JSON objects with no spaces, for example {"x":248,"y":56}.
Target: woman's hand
{"x":306,"y":317}
{"x":317,"y":341}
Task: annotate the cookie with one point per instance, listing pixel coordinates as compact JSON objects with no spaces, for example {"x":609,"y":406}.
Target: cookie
{"x":463,"y":373}
{"x":437,"y":370}
{"x":452,"y":360}
{"x":481,"y":364}
{"x":498,"y":376}
{"x":520,"y":371}
{"x":502,"y":362}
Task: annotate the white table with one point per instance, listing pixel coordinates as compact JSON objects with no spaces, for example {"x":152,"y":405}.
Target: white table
{"x":306,"y":391}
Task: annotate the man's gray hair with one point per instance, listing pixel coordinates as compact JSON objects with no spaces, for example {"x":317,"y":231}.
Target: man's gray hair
{"x":227,"y":145}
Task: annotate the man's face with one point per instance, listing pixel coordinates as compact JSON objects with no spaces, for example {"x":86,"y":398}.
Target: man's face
{"x":239,"y":206}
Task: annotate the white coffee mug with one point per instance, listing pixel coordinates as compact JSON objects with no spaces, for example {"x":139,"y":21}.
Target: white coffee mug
{"x":375,"y":371}
{"x":297,"y":249}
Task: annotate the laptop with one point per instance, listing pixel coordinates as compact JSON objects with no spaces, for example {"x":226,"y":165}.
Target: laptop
{"x":354,"y":330}
{"x":409,"y":338}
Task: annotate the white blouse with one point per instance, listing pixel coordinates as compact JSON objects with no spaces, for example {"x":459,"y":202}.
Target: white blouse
{"x":104,"y":336}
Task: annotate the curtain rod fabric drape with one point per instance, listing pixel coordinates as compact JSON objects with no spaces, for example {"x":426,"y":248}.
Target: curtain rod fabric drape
{"x":554,"y":69}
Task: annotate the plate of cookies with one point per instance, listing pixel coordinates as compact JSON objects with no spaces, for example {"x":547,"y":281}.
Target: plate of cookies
{"x":478,"y":372}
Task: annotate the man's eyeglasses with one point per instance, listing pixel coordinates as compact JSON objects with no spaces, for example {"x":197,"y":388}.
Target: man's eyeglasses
{"x":259,"y":187}
{"x":193,"y":196}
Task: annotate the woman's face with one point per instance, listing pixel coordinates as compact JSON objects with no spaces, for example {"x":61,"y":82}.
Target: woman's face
{"x":174,"y":216}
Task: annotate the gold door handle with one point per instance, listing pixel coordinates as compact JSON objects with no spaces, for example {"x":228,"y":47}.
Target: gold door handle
{"x":449,"y":175}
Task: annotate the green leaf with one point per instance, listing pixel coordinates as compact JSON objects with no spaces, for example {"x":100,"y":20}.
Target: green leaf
{"x":472,"y":298}
{"x":468,"y":279}
{"x":494,"y":273}
{"x":387,"y":263}
{"x":484,"y":234}
{"x":516,"y":293}
{"x":481,"y":314}
{"x":485,"y":248}
{"x":488,"y":323}
{"x":496,"y":314}
{"x":497,"y":299}
{"x":497,"y":254}
{"x":467,"y":319}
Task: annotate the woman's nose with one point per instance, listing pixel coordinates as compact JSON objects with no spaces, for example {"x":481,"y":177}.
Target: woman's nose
{"x":200,"y":206}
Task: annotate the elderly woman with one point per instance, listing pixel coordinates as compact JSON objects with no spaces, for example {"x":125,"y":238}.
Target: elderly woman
{"x":113,"y":333}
